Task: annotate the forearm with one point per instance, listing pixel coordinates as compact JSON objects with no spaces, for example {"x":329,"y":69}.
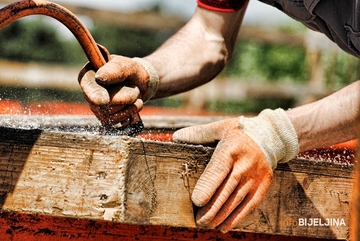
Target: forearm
{"x":328,"y":121}
{"x":197,"y":52}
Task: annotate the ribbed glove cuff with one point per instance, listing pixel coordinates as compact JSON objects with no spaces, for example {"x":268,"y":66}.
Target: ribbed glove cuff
{"x":153,"y":78}
{"x":273,"y":131}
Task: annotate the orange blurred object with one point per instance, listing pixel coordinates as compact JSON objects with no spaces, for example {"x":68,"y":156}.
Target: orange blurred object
{"x":349,"y":145}
{"x":58,"y":108}
{"x":10,"y":107}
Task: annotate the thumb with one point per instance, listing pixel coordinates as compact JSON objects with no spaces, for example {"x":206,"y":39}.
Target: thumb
{"x":116,"y":70}
{"x":93,"y":92}
{"x":202,"y":134}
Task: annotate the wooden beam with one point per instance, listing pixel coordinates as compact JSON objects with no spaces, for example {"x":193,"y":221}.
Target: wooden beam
{"x":83,"y":174}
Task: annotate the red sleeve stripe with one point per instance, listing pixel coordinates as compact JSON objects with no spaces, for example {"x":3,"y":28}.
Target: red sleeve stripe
{"x":222,"y":5}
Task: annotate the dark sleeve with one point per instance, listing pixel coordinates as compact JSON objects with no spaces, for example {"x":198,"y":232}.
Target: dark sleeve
{"x":222,"y":5}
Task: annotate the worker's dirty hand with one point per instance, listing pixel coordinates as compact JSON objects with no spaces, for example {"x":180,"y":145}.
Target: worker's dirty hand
{"x":119,"y":88}
{"x":239,"y":173}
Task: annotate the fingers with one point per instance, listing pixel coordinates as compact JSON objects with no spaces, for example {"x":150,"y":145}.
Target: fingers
{"x":221,"y":164}
{"x":112,"y":115}
{"x":124,"y":114}
{"x":196,"y":135}
{"x":113,"y":95}
{"x":123,"y":95}
{"x":111,"y":104}
{"x":205,"y":134}
{"x":119,"y":69}
{"x":225,"y":200}
{"x":234,"y":186}
{"x":226,"y":210}
{"x":214,"y":175}
{"x":252,"y":199}
{"x":234,"y":182}
{"x":93,"y":92}
{"x":112,"y":72}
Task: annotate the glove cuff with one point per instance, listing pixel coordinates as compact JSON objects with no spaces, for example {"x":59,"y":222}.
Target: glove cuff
{"x":273,"y":131}
{"x":153,"y":78}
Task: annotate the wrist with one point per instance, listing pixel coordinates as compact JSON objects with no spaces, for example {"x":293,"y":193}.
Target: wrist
{"x":153,"y":82}
{"x":274,"y":133}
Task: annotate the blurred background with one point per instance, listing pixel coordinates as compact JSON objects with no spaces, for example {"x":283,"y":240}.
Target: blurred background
{"x":277,"y":62}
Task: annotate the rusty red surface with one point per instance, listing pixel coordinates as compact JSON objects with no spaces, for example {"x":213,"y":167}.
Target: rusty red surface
{"x":20,"y":227}
{"x":164,"y":137}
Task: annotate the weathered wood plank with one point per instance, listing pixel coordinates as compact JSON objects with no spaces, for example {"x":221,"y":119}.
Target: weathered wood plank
{"x":87,"y":175}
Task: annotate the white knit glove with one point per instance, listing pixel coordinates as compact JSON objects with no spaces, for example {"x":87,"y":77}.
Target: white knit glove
{"x":274,"y":133}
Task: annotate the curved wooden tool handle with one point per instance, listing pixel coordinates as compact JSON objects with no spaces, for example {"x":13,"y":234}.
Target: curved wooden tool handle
{"x":17,"y":10}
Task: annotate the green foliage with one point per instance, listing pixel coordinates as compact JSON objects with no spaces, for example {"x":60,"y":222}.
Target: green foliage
{"x":250,"y":105}
{"x":169,"y":102}
{"x":31,"y":41}
{"x":34,"y":40}
{"x":294,"y":27}
{"x":283,"y":62}
{"x":127,"y":42}
{"x":28,"y":95}
{"x":340,"y":69}
{"x":269,"y":62}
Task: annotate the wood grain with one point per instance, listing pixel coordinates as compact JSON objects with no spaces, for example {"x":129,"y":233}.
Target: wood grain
{"x":86,"y":175}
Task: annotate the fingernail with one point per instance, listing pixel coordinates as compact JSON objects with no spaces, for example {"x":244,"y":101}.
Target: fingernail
{"x":176,"y":136}
{"x":201,"y":225}
{"x":101,"y":77}
{"x":201,"y":219}
{"x":223,"y":229}
{"x":204,"y":224}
